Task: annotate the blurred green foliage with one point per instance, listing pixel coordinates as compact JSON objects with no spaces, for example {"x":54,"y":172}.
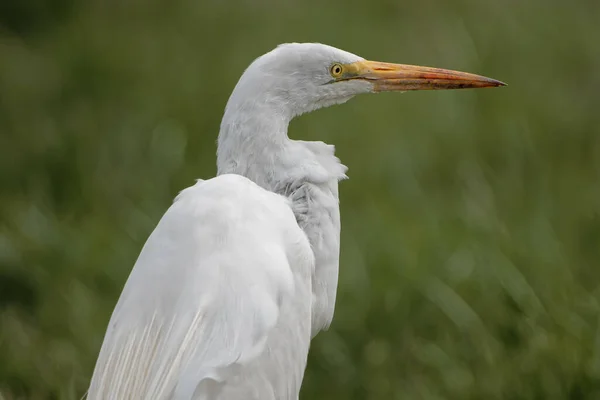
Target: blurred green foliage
{"x":471,"y":222}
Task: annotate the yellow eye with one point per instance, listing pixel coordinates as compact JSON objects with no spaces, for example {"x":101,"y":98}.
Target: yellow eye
{"x":336,"y":70}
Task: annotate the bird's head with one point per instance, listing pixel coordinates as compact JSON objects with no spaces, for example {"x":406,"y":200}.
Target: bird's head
{"x":296,"y":78}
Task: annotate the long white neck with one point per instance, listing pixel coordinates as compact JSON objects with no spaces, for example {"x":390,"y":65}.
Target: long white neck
{"x":252,"y":140}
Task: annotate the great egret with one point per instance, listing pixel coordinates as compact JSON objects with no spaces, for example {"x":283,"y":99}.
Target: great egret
{"x":241,"y":272}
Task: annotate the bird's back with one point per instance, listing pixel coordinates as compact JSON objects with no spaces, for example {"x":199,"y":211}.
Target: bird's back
{"x":218,"y":305}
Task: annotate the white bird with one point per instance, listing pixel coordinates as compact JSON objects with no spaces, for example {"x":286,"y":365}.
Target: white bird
{"x":241,"y":272}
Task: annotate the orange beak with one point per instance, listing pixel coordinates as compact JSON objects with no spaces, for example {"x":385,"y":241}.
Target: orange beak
{"x":398,"y":77}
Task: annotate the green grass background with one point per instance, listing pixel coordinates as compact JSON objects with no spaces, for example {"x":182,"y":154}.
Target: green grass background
{"x":470,"y":262}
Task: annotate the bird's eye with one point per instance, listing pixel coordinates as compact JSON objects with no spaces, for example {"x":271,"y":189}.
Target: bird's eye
{"x":336,"y":70}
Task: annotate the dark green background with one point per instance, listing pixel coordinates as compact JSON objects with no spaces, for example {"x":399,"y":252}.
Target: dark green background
{"x":470,"y":223}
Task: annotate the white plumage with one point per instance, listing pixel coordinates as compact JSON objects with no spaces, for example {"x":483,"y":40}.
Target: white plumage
{"x":241,"y":272}
{"x":224,"y":265}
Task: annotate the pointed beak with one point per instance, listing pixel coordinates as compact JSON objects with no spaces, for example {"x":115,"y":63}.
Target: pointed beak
{"x":398,"y":77}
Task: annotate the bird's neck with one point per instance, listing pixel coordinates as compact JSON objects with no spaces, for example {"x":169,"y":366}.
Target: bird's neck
{"x":252,"y":141}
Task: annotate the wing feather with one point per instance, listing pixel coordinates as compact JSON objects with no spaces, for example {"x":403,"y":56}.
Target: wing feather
{"x":205,"y":299}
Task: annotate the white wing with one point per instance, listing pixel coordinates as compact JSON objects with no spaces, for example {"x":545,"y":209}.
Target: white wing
{"x":218,"y":305}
